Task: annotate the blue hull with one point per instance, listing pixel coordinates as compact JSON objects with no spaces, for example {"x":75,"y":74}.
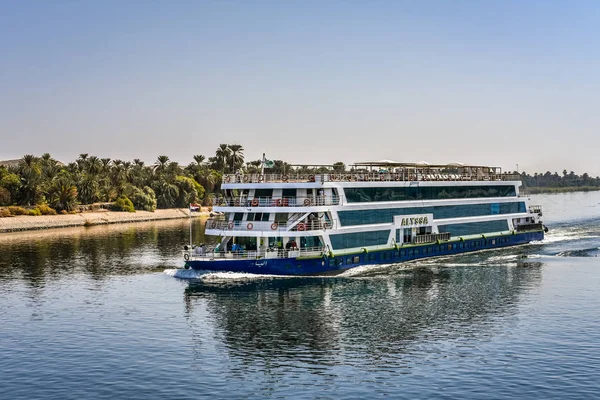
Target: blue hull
{"x":329,"y":265}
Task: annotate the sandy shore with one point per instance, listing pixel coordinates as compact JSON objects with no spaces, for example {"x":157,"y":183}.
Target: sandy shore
{"x":25,"y":222}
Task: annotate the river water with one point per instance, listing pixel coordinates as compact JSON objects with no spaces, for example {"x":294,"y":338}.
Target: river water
{"x":103,"y":312}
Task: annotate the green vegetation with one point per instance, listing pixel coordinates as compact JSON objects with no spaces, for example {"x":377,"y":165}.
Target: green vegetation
{"x":122,"y":204}
{"x":45,"y":186}
{"x":555,"y":183}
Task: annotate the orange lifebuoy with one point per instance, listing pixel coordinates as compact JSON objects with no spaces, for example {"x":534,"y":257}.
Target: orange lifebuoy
{"x":237,"y":202}
{"x":311,"y":178}
{"x":227,"y":178}
{"x":213,"y":225}
{"x":274,"y":225}
{"x":301,"y":226}
{"x":261,"y":178}
{"x":381,"y":177}
{"x":246,"y":178}
{"x":250,"y":226}
{"x":307,"y":202}
{"x":284,"y":178}
{"x":279,"y":202}
{"x":230,"y":225}
{"x":254,"y":202}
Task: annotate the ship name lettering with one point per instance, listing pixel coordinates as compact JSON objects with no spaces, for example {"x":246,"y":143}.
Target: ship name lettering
{"x":414,"y":221}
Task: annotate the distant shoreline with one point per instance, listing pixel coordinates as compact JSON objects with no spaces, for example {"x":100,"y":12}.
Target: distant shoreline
{"x":569,"y":189}
{"x":28,"y":223}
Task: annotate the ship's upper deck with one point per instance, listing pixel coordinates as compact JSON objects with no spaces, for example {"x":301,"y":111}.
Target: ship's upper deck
{"x":384,"y":170}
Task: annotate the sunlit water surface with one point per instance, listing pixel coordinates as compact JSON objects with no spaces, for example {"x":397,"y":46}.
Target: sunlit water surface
{"x":105,"y":312}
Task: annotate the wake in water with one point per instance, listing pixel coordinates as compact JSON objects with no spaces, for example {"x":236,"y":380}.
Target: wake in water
{"x":213,"y":276}
{"x":591,"y":252}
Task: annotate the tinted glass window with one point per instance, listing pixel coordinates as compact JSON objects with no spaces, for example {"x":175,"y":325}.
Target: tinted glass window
{"x":475,"y":228}
{"x":359,"y":239}
{"x":386,"y":215}
{"x":368,"y":194}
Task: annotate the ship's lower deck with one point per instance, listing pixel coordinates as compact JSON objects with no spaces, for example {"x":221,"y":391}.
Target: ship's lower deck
{"x":337,"y":263}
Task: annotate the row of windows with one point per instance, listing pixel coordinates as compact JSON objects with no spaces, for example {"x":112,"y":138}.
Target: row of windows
{"x":425,"y":250}
{"x":360,"y":195}
{"x":359,"y":239}
{"x":474,"y":228}
{"x":386,"y":215}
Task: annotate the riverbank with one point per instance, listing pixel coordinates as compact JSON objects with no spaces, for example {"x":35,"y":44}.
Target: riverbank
{"x":26,"y":222}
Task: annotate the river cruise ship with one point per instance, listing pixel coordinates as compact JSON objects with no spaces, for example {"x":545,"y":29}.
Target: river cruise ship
{"x":381,"y":212}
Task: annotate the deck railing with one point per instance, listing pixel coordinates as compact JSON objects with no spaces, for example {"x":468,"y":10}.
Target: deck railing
{"x":408,"y":176}
{"x":271,"y":253}
{"x":312,"y":225}
{"x":276,"y":201}
{"x":430,"y":237}
{"x":536,"y":210}
{"x":529,"y":227}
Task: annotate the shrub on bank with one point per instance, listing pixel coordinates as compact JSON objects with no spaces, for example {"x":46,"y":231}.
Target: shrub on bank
{"x":5,"y":213}
{"x":143,"y":199}
{"x":5,"y":198}
{"x":34,"y":212}
{"x":16,"y":210}
{"x":45,"y":209}
{"x":123,"y":204}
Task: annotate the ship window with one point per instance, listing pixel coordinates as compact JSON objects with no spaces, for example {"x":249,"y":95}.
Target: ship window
{"x":373,"y":194}
{"x":359,"y":239}
{"x":281,"y":217}
{"x":475,"y":228}
{"x":411,"y":252}
{"x":386,"y":215}
{"x":258,"y":216}
{"x":289,"y":193}
{"x":238,"y":216}
{"x":356,"y":259}
{"x":402,"y":253}
{"x":263,"y":192}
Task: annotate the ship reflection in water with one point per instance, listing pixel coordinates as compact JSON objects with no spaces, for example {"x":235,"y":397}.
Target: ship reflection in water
{"x":329,"y":321}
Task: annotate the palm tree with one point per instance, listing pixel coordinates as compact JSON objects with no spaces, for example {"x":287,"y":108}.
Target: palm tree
{"x":88,"y":189}
{"x":94,"y":166}
{"x":30,"y":173}
{"x":161,"y":164}
{"x":199,"y":158}
{"x":105,"y":165}
{"x":166,"y":194}
{"x":236,"y":156}
{"x":222,"y":154}
{"x":63,"y":195}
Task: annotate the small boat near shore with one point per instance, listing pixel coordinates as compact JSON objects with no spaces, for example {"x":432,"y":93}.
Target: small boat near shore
{"x":377,"y":213}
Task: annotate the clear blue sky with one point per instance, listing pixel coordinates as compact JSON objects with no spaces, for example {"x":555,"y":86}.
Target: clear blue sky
{"x":486,"y":82}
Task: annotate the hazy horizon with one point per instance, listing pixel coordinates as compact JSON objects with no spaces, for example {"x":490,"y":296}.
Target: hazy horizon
{"x":498,"y":82}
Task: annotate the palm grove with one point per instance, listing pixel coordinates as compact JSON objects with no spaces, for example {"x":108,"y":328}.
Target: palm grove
{"x":43,"y":181}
